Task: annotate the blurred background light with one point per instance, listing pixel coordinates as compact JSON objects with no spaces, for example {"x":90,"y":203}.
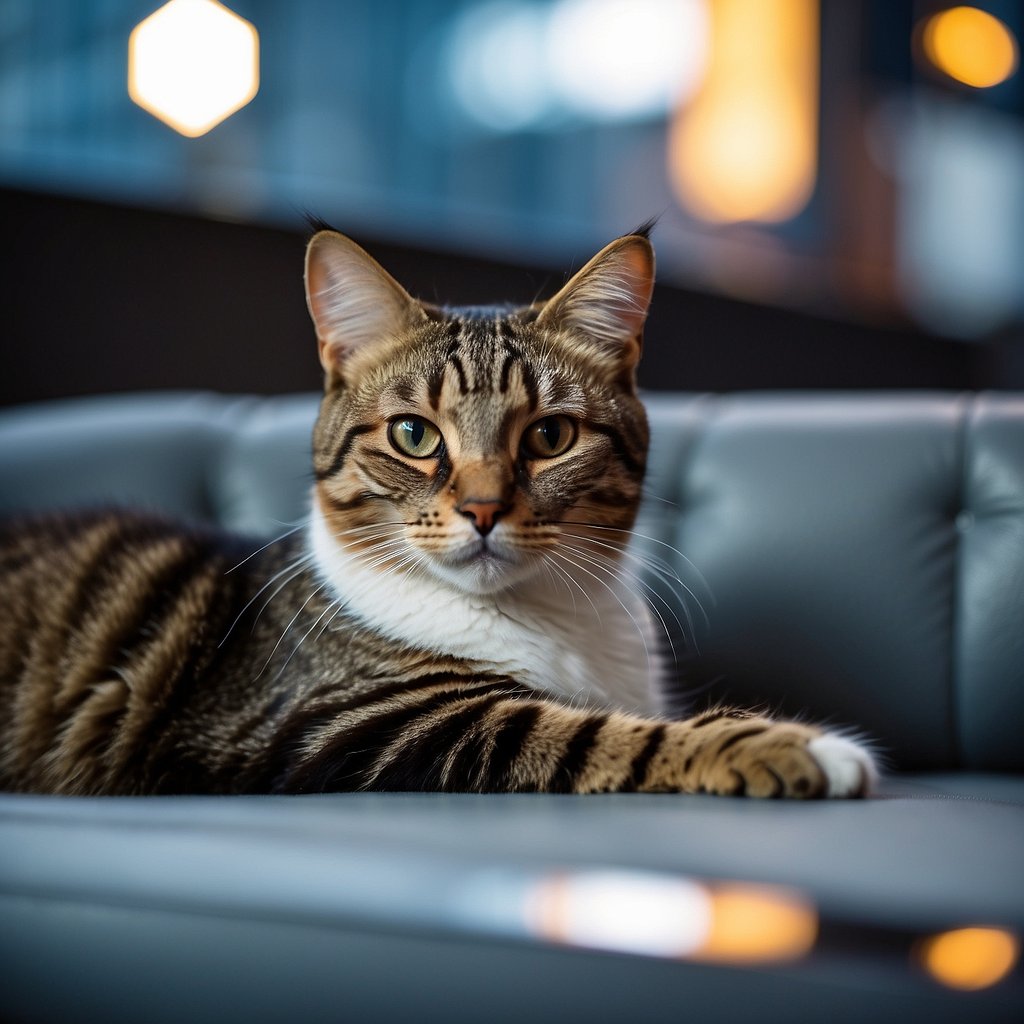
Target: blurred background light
{"x":971,"y":46}
{"x":668,"y":916}
{"x":970,"y":958}
{"x":960,"y":219}
{"x":805,"y":156}
{"x":626,"y":58}
{"x":514,"y":66}
{"x":192,"y":63}
{"x":747,"y":148}
{"x":751,"y":923}
{"x":623,"y":911}
{"x":497,"y":65}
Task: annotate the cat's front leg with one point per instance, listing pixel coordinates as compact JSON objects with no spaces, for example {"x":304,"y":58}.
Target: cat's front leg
{"x":462,"y":735}
{"x":724,"y":752}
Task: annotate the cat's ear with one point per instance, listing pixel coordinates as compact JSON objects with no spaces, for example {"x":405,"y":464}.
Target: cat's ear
{"x":352,"y":299}
{"x":607,"y":301}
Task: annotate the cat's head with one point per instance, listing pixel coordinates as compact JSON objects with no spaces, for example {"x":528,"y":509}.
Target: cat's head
{"x":479,"y":446}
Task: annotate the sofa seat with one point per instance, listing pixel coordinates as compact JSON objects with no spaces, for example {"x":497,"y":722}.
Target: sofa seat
{"x":415,"y":906}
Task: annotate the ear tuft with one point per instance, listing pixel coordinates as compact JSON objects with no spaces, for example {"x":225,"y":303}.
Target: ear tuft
{"x":645,"y":229}
{"x":607,"y":301}
{"x":352,"y":299}
{"x":317,"y":223}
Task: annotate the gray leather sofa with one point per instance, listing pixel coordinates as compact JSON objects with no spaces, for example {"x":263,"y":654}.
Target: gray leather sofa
{"x":855,"y":558}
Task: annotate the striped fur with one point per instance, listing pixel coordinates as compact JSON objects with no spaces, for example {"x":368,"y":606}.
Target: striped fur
{"x":460,"y":620}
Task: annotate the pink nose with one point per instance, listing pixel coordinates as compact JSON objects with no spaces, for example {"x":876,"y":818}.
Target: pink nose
{"x":484,"y":514}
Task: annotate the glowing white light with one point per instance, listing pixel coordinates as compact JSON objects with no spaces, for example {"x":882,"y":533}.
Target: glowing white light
{"x":192,"y":63}
{"x":497,"y":65}
{"x":626,"y":58}
{"x":514,"y":65}
{"x":625,"y":911}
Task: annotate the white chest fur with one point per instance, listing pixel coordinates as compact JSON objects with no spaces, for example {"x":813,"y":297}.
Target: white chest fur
{"x":590,"y":645}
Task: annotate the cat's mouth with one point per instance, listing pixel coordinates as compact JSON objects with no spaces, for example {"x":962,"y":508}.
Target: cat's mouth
{"x":479,"y":552}
{"x":482,"y":566}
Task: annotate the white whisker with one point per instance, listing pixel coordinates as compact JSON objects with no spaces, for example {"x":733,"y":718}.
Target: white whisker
{"x":297,"y":566}
{"x":556,"y":572}
{"x":282,"y":536}
{"x":569,"y":576}
{"x":632,"y":618}
{"x":285,"y":583}
{"x":316,"y":622}
{"x":291,"y":622}
{"x":339,"y":607}
{"x":668,"y":577}
{"x":645,"y":537}
{"x":623,"y":576}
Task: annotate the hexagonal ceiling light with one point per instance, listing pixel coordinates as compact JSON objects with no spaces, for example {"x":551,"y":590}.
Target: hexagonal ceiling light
{"x":192,"y":63}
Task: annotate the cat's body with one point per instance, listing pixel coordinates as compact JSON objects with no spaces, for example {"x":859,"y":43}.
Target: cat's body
{"x":456,"y":615}
{"x":149,"y":660}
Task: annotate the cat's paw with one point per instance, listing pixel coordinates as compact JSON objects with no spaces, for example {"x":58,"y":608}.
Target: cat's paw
{"x":748,"y":755}
{"x":848,"y":766}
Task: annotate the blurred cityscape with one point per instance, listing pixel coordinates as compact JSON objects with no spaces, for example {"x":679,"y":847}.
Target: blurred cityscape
{"x":858,"y":160}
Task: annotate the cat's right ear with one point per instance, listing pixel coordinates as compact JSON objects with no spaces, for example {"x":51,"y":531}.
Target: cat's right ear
{"x":606,"y":302}
{"x":352,"y":299}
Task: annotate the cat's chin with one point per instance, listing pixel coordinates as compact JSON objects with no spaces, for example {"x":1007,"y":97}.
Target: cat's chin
{"x":482,"y":571}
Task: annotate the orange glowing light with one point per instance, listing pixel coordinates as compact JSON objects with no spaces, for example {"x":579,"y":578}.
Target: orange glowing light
{"x":747,"y":147}
{"x":971,"y":46}
{"x":752,"y":923}
{"x":970,"y":958}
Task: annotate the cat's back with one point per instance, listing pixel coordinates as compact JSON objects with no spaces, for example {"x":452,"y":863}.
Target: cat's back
{"x":100,"y":612}
{"x":62,"y":570}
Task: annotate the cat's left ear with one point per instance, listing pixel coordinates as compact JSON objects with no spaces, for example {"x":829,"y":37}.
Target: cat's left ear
{"x":607,"y":301}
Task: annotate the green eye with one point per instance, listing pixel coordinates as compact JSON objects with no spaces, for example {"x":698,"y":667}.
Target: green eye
{"x":549,"y":437}
{"x":414,"y":436}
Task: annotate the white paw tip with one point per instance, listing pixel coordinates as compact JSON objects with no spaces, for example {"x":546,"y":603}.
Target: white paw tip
{"x":848,"y":766}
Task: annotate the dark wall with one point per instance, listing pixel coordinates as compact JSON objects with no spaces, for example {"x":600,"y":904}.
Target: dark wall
{"x":101,"y":298}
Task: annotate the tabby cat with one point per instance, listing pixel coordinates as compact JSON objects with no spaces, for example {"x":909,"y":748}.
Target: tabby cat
{"x":453,"y":618}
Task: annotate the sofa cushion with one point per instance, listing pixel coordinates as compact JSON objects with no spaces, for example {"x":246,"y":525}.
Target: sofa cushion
{"x":426,"y":905}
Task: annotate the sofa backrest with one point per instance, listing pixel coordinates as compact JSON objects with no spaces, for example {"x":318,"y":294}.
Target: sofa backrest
{"x":863,"y":559}
{"x":855,"y":558}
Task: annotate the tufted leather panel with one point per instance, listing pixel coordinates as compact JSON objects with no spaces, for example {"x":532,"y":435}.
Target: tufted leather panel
{"x":860,"y":558}
{"x":857,"y":558}
{"x":988,"y":653}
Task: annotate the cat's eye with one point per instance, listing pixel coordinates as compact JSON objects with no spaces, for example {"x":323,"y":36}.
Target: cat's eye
{"x":414,"y":436}
{"x":549,"y":437}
